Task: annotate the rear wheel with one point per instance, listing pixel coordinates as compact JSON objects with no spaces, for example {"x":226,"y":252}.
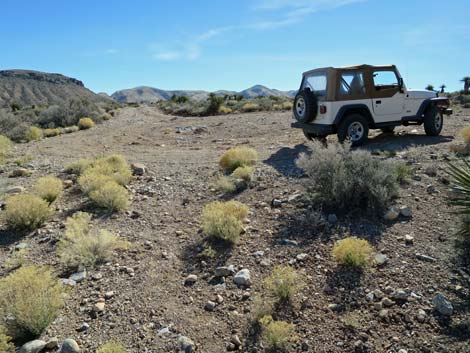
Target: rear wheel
{"x":354,"y":128}
{"x":433,"y":121}
{"x":388,"y":129}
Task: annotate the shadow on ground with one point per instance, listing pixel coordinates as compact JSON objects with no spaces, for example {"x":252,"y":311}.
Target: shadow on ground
{"x":391,"y":142}
{"x":284,"y":159}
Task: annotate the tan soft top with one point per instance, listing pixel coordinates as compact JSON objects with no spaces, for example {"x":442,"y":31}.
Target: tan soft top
{"x":352,"y":67}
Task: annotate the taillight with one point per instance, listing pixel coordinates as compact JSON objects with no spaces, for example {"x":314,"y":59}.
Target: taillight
{"x":322,"y":109}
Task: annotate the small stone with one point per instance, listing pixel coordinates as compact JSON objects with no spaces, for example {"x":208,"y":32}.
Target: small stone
{"x":97,"y":276}
{"x":332,"y":218}
{"x":190,"y":280}
{"x":378,"y":294}
{"x":79,"y":276}
{"x":53,"y":343}
{"x":138,"y":168}
{"x":288,"y":242}
{"x":387,"y":302}
{"x":69,"y":346}
{"x":68,"y":282}
{"x":224,"y":271}
{"x":334,"y":307}
{"x":21,"y":246}
{"x":409,"y":239}
{"x":405,"y":211}
{"x":443,"y":305}
{"x":210,"y":306}
{"x":67,"y":184}
{"x":33,"y":346}
{"x":381,"y":259}
{"x":20,"y":172}
{"x":236,"y":341}
{"x":425,"y":258}
{"x":276,"y":203}
{"x":402,"y":351}
{"x":383,"y":314}
{"x":431,"y":189}
{"x":99,"y":307}
{"x":186,"y":345}
{"x":421,"y":316}
{"x":15,"y":190}
{"x":301,"y":257}
{"x":242,"y":277}
{"x":400,"y":294}
{"x":84,"y":327}
{"x":392,"y":214}
{"x":219,"y":299}
{"x":109,"y":294}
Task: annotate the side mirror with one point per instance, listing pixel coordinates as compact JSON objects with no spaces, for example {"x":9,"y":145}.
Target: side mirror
{"x":400,"y":84}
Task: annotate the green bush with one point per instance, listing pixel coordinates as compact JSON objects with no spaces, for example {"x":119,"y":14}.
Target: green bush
{"x":238,"y":157}
{"x":224,"y":220}
{"x":48,"y":188}
{"x":342,"y":180}
{"x":34,"y":134}
{"x":26,"y":211}
{"x":284,"y":283}
{"x":352,"y":252}
{"x":110,"y":196}
{"x":30,"y":299}
{"x":91,"y":181}
{"x":226,"y":185}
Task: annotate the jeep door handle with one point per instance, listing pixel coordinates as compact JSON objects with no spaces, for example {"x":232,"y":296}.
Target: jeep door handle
{"x":378,"y":102}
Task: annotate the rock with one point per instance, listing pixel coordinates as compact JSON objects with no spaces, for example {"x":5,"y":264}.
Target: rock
{"x":400,"y":294}
{"x":109,"y":294}
{"x":236,"y":341}
{"x":378,"y":294}
{"x":301,"y":257}
{"x":15,"y":190}
{"x":288,"y":242}
{"x":443,"y":305}
{"x":83,"y":327}
{"x":332,"y":218}
{"x":334,"y":307}
{"x":67,"y":184}
{"x":21,"y":246}
{"x":387,"y":302}
{"x":259,"y":253}
{"x":405,"y":211}
{"x":210,"y":306}
{"x":392,"y":214}
{"x":224,"y":271}
{"x":240,"y":185}
{"x":370,"y":296}
{"x":53,"y":343}
{"x":97,"y":276}
{"x":421,"y":316}
{"x":409,"y":239}
{"x":33,"y":346}
{"x":98,"y":307}
{"x":431,"y":189}
{"x":69,"y":346}
{"x":68,"y":282}
{"x":79,"y":276}
{"x":20,"y":172}
{"x":383,"y":314}
{"x":431,"y":170}
{"x":276,"y":203}
{"x":186,"y":345}
{"x":402,"y":351}
{"x":381,"y":259}
{"x":425,"y":258}
{"x":190,"y":280}
{"x":242,"y":278}
{"x":138,"y":169}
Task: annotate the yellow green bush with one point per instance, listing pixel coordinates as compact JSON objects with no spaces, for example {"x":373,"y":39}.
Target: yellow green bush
{"x":84,"y":246}
{"x":225,"y":110}
{"x":114,"y":166}
{"x":91,"y":181}
{"x":465,"y":134}
{"x":5,"y":147}
{"x":112,"y":347}
{"x":352,"y":252}
{"x":106,"y":116}
{"x":49,"y":188}
{"x":262,"y":307}
{"x":110,"y":196}
{"x":284,"y":283}
{"x":30,"y":299}
{"x":85,"y":123}
{"x":34,"y":134}
{"x":6,"y":346}
{"x":238,"y":157}
{"x":277,"y":335}
{"x":225,"y":184}
{"x":224,"y":220}
{"x":51,"y":132}
{"x":250,"y":107}
{"x":287,"y":105}
{"x":78,"y":167}
{"x":26,"y":211}
{"x":244,"y":173}
{"x":70,"y":129}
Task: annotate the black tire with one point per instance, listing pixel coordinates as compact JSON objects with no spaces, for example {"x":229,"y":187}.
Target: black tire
{"x":388,"y":129}
{"x":433,"y":121}
{"x":305,"y":106}
{"x":355,"y":124}
{"x":309,"y":136}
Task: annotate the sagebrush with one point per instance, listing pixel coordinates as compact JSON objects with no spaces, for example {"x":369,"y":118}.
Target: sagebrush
{"x":224,"y":220}
{"x":26,"y":211}
{"x":352,"y":252}
{"x":34,"y":134}
{"x":110,"y":196}
{"x":277,"y":334}
{"x":238,"y":157}
{"x":284,"y":283}
{"x":48,"y":188}
{"x":6,"y":345}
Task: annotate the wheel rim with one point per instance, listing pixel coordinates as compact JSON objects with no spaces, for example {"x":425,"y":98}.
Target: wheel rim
{"x":300,"y":106}
{"x":355,"y":131}
{"x":438,"y":121}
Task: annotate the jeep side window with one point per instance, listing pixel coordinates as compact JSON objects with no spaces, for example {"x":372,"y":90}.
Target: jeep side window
{"x":385,"y":79}
{"x":352,"y":84}
{"x":316,"y":83}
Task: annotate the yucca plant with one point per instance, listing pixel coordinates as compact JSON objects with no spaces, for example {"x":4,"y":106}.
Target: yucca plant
{"x":461,"y":199}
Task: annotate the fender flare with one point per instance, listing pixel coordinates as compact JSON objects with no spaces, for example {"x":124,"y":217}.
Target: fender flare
{"x":345,"y":109}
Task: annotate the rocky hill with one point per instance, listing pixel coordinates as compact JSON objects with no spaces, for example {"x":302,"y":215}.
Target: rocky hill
{"x":38,"y":88}
{"x":145,"y":94}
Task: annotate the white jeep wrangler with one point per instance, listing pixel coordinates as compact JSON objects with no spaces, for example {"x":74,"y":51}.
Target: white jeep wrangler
{"x":349,"y":101}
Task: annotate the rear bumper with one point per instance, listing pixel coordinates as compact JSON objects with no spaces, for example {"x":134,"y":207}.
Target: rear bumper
{"x":316,"y":129}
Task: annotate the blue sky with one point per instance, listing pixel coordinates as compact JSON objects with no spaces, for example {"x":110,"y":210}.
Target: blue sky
{"x":211,"y":45}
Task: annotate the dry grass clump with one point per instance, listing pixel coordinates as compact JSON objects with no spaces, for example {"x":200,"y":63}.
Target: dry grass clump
{"x":106,"y":116}
{"x":342,"y":180}
{"x":91,"y":181}
{"x":226,"y":185}
{"x":238,"y":157}
{"x":30,"y":299}
{"x":5,"y":148}
{"x":224,"y":220}
{"x":6,"y":346}
{"x":284,"y":283}
{"x":114,"y":166}
{"x":244,"y":173}
{"x":352,"y":252}
{"x":83,"y":246}
{"x":79,"y":167}
{"x":225,"y":110}
{"x":33,"y":134}
{"x":110,"y":196}
{"x":112,"y":347}
{"x":277,"y":335}
{"x":250,"y":107}
{"x":70,"y":129}
{"x":261,"y":307}
{"x":465,"y":134}
{"x":26,"y":211}
{"x":462,"y":149}
{"x":51,"y":132}
{"x":85,"y":123}
{"x":49,"y":188}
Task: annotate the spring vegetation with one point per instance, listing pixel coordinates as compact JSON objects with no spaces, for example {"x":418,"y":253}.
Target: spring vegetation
{"x":236,"y":164}
{"x":224,"y":220}
{"x":26,"y":211}
{"x":353,"y":252}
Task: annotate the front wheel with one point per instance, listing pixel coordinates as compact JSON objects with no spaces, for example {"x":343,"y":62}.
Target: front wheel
{"x":433,"y":121}
{"x":354,"y":128}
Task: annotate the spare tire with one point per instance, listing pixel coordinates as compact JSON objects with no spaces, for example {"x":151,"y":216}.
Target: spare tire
{"x":305,"y":106}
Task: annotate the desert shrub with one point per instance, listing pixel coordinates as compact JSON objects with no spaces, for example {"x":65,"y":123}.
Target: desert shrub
{"x":465,"y":134}
{"x":26,"y":211}
{"x":403,"y":173}
{"x":226,"y":185}
{"x":112,"y":347}
{"x":106,"y":116}
{"x":244,"y":173}
{"x":110,"y":196}
{"x":261,"y":307}
{"x":288,"y":105}
{"x":225,"y":110}
{"x":352,"y":252}
{"x":85,"y":123}
{"x":70,"y":129}
{"x":16,"y":259}
{"x":284,"y":283}
{"x":277,"y":334}
{"x":30,"y":299}
{"x":238,"y":157}
{"x":51,"y":132}
{"x":34,"y":134}
{"x":461,"y":198}
{"x":214,"y":104}
{"x":114,"y":166}
{"x":224,"y":220}
{"x":48,"y":188}
{"x":250,"y":107}
{"x":90,"y":181}
{"x":68,"y":113}
{"x":5,"y":147}
{"x":24,"y":160}
{"x":6,"y":346}
{"x":342,"y":180}
{"x":78,"y":167}
{"x":83,"y":246}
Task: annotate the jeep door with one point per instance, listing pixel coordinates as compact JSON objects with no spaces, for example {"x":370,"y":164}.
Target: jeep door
{"x":388,"y":98}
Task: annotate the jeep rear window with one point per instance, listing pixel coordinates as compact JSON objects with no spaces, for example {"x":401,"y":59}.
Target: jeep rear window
{"x":316,"y":82}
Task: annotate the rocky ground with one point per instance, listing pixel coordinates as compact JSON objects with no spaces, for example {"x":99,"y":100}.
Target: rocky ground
{"x":158,"y":291}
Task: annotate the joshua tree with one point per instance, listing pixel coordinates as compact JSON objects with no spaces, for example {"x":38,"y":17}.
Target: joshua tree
{"x":466,"y":84}
{"x":442,"y":87}
{"x":429,"y":88}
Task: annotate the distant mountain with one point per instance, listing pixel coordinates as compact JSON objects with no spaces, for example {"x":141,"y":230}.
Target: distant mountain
{"x":145,"y":94}
{"x":39,"y":88}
